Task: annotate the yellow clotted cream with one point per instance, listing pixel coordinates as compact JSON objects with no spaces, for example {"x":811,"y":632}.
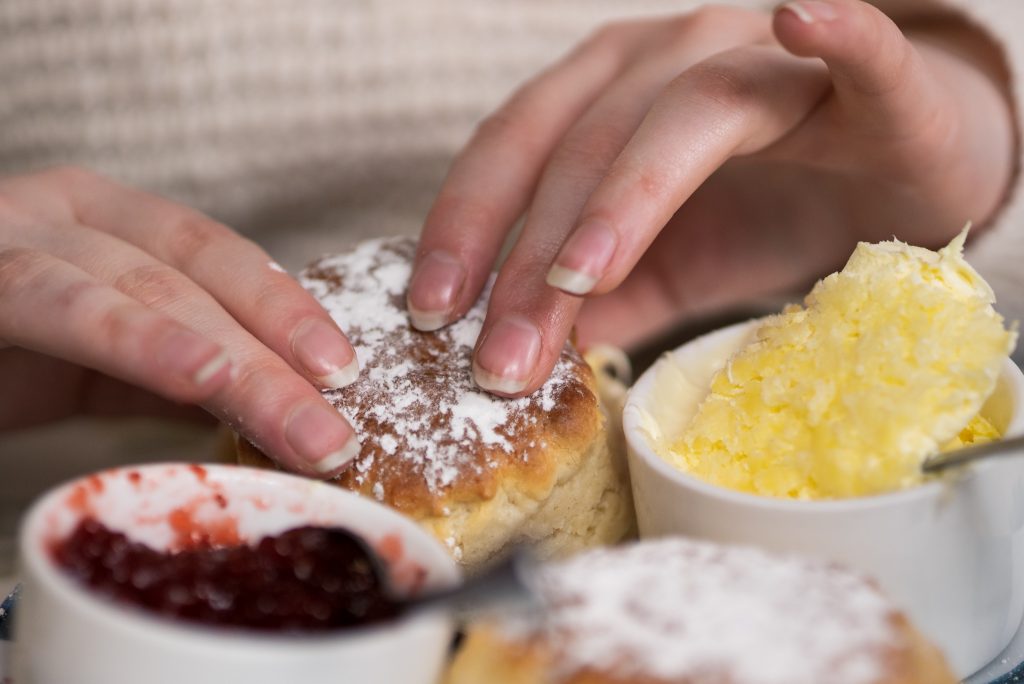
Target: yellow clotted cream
{"x":889,"y":361}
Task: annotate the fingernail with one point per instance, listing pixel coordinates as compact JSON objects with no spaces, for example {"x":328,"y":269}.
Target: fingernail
{"x":325,"y":353}
{"x":507,"y":356}
{"x":321,"y":437}
{"x":211,"y":368}
{"x":191,"y":355}
{"x":810,"y":11}
{"x":336,"y":461}
{"x":584,"y":258}
{"x":434,"y":289}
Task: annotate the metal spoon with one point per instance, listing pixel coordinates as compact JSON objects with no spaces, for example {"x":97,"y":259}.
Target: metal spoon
{"x":1014,"y":446}
{"x":510,"y":584}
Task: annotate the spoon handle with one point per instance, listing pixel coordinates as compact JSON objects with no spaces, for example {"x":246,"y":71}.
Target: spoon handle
{"x":508,"y":585}
{"x":1012,"y":446}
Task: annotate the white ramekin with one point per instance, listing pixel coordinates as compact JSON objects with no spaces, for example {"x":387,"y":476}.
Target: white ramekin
{"x":65,"y":634}
{"x":949,"y":552}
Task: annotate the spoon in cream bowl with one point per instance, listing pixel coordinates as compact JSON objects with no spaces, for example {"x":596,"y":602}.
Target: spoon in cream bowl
{"x":1012,"y":446}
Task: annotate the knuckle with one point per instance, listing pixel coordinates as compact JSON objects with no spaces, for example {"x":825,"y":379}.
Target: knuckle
{"x":286,"y":305}
{"x":192,"y":234}
{"x":510,"y":125}
{"x":114,"y":326}
{"x":78,"y":295}
{"x":497,"y":125}
{"x":587,"y":152}
{"x":155,"y":285}
{"x":452,"y":212}
{"x":723,"y":82}
{"x":269,"y":384}
{"x":612,"y":39}
{"x":68,"y":174}
{"x":886,"y":81}
{"x":19,"y":266}
{"x":708,"y":16}
{"x":606,"y":34}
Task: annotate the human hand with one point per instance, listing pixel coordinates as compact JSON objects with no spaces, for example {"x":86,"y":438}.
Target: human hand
{"x":748,"y":167}
{"x":98,"y":277}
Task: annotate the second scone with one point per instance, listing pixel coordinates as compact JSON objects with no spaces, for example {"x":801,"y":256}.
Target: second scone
{"x":479,"y":472}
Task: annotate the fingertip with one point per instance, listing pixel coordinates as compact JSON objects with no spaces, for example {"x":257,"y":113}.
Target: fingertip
{"x":435,"y":288}
{"x":584,"y":259}
{"x":322,"y":441}
{"x":508,"y":356}
{"x":213,"y":372}
{"x":802,"y":25}
{"x":324,"y":353}
{"x":192,"y":368}
{"x":425,"y":321}
{"x":336,"y":462}
{"x":497,"y":384}
{"x":570,"y":281}
{"x":342,"y":377}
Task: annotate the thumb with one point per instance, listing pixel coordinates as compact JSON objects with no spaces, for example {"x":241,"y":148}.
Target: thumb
{"x":879,"y":78}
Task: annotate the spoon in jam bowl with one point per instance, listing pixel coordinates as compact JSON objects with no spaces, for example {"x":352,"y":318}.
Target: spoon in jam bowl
{"x":1014,"y":446}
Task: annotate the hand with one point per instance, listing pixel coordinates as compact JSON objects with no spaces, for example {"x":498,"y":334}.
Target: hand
{"x":99,"y":277}
{"x":676,"y":165}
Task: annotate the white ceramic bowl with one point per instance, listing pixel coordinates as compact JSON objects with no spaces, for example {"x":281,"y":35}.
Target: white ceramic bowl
{"x":949,"y":552}
{"x":65,"y":634}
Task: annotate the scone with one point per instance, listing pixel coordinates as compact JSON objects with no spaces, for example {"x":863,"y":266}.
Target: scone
{"x":479,"y":472}
{"x":675,"y":611}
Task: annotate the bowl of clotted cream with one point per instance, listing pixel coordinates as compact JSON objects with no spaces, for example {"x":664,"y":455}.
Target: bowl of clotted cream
{"x":805,"y":432}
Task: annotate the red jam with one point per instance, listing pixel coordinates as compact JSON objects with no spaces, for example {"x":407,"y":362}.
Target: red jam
{"x":303,"y":580}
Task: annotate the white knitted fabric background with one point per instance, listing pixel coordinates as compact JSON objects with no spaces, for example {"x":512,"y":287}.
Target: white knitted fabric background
{"x":273,"y":115}
{"x":309,"y":123}
{"x":304,"y":123}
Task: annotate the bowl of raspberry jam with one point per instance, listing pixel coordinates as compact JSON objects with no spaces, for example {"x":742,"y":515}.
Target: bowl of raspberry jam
{"x":178,"y":573}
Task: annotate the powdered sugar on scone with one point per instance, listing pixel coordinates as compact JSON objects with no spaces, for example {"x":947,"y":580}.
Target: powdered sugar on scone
{"x":674,"y":608}
{"x":415,"y":405}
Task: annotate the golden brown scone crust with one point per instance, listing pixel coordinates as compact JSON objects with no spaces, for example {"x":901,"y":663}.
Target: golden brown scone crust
{"x":485,"y":657}
{"x":477,"y":471}
{"x":500,"y":654}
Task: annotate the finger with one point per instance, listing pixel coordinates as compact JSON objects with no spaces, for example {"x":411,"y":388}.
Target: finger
{"x":879,"y":78}
{"x":491,"y":181}
{"x":94,"y":325}
{"x":528,"y":322}
{"x":520,"y":356}
{"x":235,"y":271}
{"x":266,"y":400}
{"x":735,"y":103}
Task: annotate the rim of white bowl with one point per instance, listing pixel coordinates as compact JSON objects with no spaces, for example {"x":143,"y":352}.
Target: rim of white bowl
{"x":111,"y":610}
{"x":642,"y":449}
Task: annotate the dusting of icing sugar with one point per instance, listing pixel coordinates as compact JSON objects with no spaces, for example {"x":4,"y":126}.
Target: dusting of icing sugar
{"x":477,"y":415}
{"x":674,"y":608}
{"x":389,"y":444}
{"x":415,"y":404}
{"x":366,"y":302}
